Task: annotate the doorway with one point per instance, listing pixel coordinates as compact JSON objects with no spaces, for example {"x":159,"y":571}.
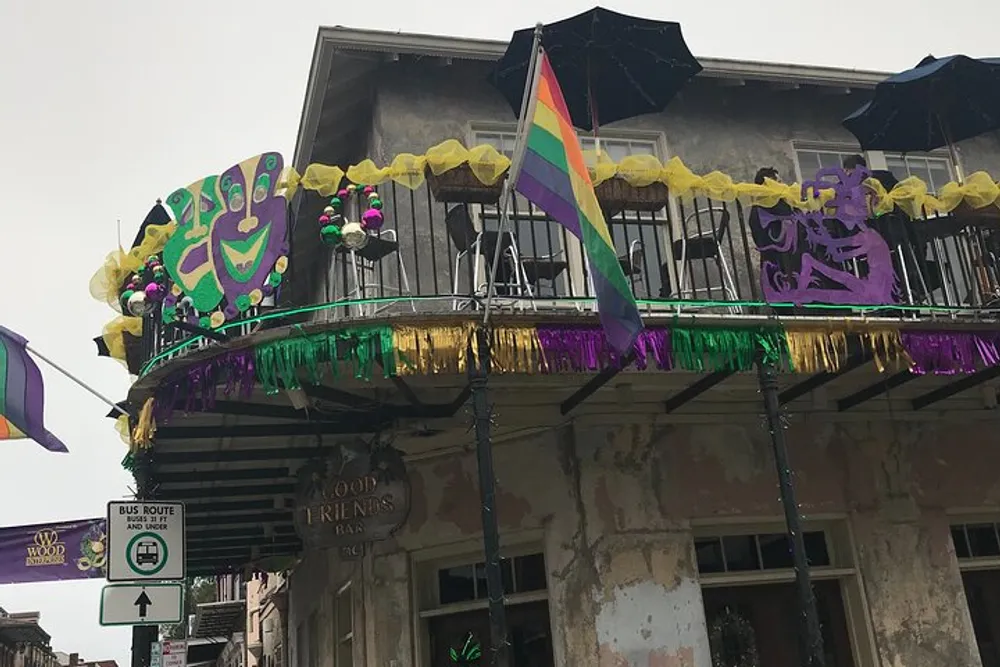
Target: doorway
{"x":758,"y":625}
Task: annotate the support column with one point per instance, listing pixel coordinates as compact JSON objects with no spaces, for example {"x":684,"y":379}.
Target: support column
{"x":481,"y":411}
{"x":143,"y":636}
{"x":810,"y":638}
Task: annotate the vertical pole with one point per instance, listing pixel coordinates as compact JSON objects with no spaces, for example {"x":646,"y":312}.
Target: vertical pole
{"x":479,"y":372}
{"x":810,"y":639}
{"x":143,"y":636}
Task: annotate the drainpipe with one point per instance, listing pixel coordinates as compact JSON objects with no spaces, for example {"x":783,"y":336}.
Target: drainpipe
{"x":478,"y":375}
{"x":810,"y":639}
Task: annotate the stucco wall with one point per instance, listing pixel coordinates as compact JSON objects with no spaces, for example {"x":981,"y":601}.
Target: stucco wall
{"x":615,"y":505}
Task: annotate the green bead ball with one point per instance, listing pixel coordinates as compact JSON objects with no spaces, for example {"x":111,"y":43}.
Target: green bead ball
{"x":376,"y":204}
{"x":205,"y":322}
{"x":243,"y":303}
{"x":330,"y":234}
{"x":274,"y":279}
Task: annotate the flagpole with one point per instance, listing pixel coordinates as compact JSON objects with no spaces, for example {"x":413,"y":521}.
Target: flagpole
{"x":520,"y":142}
{"x":77,"y":380}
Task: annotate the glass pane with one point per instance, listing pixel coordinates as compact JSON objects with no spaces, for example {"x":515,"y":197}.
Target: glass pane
{"x":345,"y":654}
{"x":741,"y":553}
{"x":709,"y":554}
{"x":897,"y":166}
{"x":983,"y":540}
{"x":456,"y":584}
{"x":530,"y":573}
{"x":816,"y":551}
{"x":960,"y":541}
{"x":939,"y":173}
{"x":345,"y":614}
{"x":506,"y":575}
{"x":617,"y":151}
{"x":775,"y":551}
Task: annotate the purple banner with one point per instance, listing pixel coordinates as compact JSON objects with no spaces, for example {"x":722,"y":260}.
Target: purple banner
{"x":53,"y":551}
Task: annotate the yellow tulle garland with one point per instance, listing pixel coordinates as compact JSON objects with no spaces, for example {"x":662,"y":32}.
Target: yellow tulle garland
{"x":114,"y":331}
{"x":119,"y":264}
{"x":488,"y":165}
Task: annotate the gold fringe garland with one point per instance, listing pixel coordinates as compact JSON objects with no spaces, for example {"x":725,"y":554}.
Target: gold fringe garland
{"x":817,"y":350}
{"x":145,"y":428}
{"x":449,"y":349}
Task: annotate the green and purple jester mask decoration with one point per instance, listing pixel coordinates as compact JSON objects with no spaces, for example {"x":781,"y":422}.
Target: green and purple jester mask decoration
{"x":230,"y":247}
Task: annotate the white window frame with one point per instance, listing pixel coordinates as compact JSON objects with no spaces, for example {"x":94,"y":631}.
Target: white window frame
{"x":573,"y":282}
{"x":875,"y":159}
{"x":973,"y":518}
{"x":843,"y":568}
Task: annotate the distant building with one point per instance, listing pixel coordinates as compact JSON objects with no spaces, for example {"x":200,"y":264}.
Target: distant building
{"x":23,"y":642}
{"x":74,"y":660}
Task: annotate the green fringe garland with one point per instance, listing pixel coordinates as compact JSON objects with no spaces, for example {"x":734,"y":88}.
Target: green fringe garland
{"x":715,"y":348}
{"x":279,"y":362}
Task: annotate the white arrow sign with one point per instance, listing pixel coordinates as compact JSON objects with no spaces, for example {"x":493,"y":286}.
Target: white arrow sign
{"x":145,"y":541}
{"x":142,"y":604}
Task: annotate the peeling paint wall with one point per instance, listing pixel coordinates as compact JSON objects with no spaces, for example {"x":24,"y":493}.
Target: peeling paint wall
{"x":614,"y":506}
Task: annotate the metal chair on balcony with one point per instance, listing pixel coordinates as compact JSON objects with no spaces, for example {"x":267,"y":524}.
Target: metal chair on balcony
{"x":365,"y":263}
{"x":632,"y":264}
{"x":704,"y":246}
{"x":516,"y":273}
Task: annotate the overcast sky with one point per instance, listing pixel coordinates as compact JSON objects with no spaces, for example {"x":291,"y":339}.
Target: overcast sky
{"x":107,"y":105}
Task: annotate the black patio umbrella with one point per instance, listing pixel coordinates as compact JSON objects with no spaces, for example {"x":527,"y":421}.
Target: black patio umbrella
{"x":610,"y":66}
{"x":937,"y":103}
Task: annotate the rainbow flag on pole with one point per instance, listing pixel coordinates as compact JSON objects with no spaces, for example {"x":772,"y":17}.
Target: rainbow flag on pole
{"x":553,"y":175}
{"x":22,"y":395}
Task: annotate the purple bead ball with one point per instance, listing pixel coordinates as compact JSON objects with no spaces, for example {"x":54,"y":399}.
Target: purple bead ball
{"x":267,"y":290}
{"x":154,"y":292}
{"x":372,"y":219}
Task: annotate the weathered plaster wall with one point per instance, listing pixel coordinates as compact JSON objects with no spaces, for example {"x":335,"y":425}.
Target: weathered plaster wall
{"x":614,"y":506}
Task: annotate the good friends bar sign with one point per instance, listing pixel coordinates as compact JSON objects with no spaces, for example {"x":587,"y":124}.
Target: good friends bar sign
{"x":353,"y":498}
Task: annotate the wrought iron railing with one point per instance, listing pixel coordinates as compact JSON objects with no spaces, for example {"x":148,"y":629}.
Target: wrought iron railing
{"x":435,"y":257}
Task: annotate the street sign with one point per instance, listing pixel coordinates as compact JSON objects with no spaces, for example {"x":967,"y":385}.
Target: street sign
{"x":142,"y":604}
{"x":145,"y":541}
{"x":156,"y":655}
{"x":175,"y":653}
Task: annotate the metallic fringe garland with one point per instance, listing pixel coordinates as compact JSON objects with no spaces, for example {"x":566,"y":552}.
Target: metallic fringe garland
{"x":950,"y":352}
{"x":279,"y":363}
{"x":145,"y":428}
{"x":816,"y":350}
{"x":447,"y":349}
{"x":583,"y":349}
{"x":714,"y":349}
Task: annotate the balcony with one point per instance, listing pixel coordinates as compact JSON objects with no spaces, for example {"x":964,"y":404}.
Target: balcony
{"x":693,"y":258}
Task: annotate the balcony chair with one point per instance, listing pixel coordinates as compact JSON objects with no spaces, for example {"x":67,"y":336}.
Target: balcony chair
{"x":703,"y":246}
{"x":515,"y":275}
{"x":364,"y":263}
{"x":632,"y":264}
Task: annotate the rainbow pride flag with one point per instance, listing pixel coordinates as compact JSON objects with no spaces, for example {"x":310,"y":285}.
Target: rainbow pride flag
{"x":554,"y":177}
{"x":22,"y":395}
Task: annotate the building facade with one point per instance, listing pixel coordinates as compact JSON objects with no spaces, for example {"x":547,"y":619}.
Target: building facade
{"x":640,"y":523}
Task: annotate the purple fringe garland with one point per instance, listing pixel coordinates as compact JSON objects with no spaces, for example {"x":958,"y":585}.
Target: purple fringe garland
{"x":583,"y":349}
{"x":950,"y":352}
{"x":199,"y":384}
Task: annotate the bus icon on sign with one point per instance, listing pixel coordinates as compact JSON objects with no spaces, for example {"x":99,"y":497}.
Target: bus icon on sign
{"x":147,"y":553}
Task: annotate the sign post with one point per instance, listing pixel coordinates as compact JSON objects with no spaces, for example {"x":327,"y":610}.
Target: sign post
{"x":142,"y":604}
{"x":145,"y":541}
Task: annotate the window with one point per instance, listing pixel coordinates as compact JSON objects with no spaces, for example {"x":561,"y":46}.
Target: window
{"x":751,"y":601}
{"x":934,"y":170}
{"x":465,"y":583}
{"x":343,"y":627}
{"x":746,"y":553}
{"x":455,"y":615}
{"x":977,"y":548}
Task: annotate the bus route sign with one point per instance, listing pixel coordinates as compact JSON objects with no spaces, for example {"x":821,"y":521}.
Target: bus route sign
{"x":145,"y":541}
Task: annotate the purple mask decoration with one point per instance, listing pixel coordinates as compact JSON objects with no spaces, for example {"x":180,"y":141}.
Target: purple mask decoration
{"x":816,"y":255}
{"x":249,"y":235}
